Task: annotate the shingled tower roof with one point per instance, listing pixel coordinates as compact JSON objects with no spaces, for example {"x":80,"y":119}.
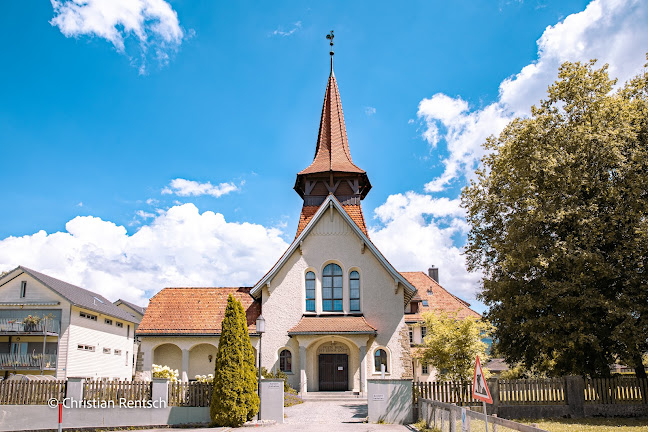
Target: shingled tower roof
{"x":332,"y":152}
{"x":332,"y":170}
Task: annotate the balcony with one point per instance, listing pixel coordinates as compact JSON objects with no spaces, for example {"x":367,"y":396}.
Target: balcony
{"x":16,"y":327}
{"x":27,"y":361}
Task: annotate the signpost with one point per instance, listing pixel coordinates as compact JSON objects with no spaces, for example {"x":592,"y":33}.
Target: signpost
{"x":480,"y":389}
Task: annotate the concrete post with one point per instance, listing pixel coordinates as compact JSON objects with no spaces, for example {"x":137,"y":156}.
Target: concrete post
{"x":453,"y":421}
{"x":363,"y":369}
{"x":184,"y":373}
{"x":74,"y":389}
{"x":493,"y":386}
{"x":160,"y":391}
{"x":575,"y":394}
{"x":303,"y":388}
{"x":272,"y":400}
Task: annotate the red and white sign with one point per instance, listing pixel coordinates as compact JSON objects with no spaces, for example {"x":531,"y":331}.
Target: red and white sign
{"x":480,"y":389}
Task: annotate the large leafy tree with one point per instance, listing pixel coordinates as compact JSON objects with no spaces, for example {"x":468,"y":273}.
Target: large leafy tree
{"x":451,"y":345}
{"x":559,"y":226}
{"x":234,"y":399}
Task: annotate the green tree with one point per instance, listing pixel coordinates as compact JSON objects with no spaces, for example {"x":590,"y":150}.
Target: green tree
{"x":451,"y":345}
{"x":234,"y":400}
{"x":559,"y":228}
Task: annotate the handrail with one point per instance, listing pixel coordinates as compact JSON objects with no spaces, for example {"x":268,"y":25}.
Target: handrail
{"x":17,"y":326}
{"x":18,"y":361}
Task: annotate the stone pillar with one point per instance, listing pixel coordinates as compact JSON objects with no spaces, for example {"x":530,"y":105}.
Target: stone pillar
{"x":493,"y":387}
{"x":575,"y":393}
{"x":272,"y":400}
{"x":160,"y":391}
{"x":303,"y":385}
{"x":147,"y":359}
{"x":184,"y":373}
{"x":74,"y":390}
{"x":363,"y":369}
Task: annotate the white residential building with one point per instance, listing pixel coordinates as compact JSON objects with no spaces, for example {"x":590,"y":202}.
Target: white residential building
{"x":72,"y":332}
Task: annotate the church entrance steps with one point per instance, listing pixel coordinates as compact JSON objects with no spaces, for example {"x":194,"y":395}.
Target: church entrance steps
{"x":333,"y":396}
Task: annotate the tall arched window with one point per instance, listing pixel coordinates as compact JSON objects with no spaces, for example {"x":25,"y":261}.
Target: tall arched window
{"x":310,"y":292}
{"x":285,"y":361}
{"x":380,"y":358}
{"x":354,"y":291}
{"x":332,"y":288}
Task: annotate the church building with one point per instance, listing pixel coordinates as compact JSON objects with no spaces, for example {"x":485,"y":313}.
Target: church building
{"x":336,"y":311}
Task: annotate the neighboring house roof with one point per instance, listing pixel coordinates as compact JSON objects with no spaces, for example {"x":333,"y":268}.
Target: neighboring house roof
{"x":332,"y":325}
{"x":329,"y":203}
{"x":194,"y":311}
{"x":80,"y":297}
{"x":439,"y":300}
{"x":355,"y":211}
{"x":496,"y":365}
{"x":139,"y":309}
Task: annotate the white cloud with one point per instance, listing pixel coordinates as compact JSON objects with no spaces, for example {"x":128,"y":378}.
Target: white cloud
{"x":369,"y":111}
{"x":144,"y":215}
{"x":153,"y":23}
{"x":182,"y":187}
{"x":418,"y":230}
{"x":613,"y":31}
{"x":281,"y":32}
{"x":180,"y":247}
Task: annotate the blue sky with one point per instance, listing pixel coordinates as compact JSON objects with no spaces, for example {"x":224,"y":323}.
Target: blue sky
{"x":104,"y":104}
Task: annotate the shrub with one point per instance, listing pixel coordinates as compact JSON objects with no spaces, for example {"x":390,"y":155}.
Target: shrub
{"x":234,"y":399}
{"x":160,"y":371}
{"x":205,"y":378}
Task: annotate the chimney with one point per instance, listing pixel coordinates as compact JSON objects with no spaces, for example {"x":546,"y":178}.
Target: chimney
{"x":433,"y":272}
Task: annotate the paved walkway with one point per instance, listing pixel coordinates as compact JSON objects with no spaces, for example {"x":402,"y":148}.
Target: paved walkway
{"x":316,"y":417}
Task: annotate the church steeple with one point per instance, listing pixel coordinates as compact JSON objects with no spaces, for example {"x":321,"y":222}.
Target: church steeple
{"x":332,"y":170}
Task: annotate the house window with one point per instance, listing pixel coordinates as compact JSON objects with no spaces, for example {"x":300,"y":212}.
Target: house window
{"x":425,"y":302}
{"x":423,"y":332}
{"x":285,"y":361}
{"x":354,"y":291}
{"x":118,"y":324}
{"x":424,"y":369}
{"x":85,"y":347}
{"x":380,"y":358}
{"x":126,"y":364}
{"x":127,"y":331}
{"x":411,"y":335}
{"x":332,"y":288}
{"x":310,"y":291}
{"x":106,"y":350}
{"x":108,"y":321}
{"x":117,"y":352}
{"x":88,"y":316}
{"x":23,"y":289}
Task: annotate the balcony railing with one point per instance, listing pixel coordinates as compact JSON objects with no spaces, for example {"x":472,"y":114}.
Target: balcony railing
{"x":27,"y":361}
{"x":8,"y":325}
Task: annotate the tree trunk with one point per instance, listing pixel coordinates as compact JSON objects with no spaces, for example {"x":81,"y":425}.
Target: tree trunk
{"x":637,"y":364}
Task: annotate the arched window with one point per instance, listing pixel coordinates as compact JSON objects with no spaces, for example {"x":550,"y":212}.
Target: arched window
{"x":285,"y":361}
{"x":354,"y":291}
{"x":310,"y":292}
{"x":380,"y":358}
{"x":332,"y":288}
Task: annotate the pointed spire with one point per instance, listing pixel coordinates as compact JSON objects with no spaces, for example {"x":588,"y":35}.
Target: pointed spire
{"x":332,"y":151}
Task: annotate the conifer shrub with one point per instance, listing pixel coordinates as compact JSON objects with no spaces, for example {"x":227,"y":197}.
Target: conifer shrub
{"x":234,"y":400}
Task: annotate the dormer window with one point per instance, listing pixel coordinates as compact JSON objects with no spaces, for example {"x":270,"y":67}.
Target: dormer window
{"x":23,"y":289}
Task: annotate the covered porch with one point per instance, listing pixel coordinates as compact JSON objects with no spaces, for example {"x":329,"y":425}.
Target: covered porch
{"x":333,"y":353}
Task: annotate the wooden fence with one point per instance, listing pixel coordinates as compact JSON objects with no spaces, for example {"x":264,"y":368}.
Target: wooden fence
{"x":30,"y":392}
{"x":445,"y":391}
{"x":550,"y":391}
{"x":193,"y":394}
{"x":617,"y":390}
{"x":115,"y":390}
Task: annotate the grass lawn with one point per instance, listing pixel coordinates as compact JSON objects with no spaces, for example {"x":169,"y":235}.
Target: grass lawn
{"x":597,"y":424}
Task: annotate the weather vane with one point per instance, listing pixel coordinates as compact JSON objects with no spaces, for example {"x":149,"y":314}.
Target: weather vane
{"x":330,"y":37}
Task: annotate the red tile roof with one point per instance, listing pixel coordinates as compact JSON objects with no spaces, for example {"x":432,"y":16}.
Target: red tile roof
{"x":355,"y":211}
{"x":439,"y":299}
{"x":332,"y":324}
{"x":332,"y":151}
{"x":194,"y":311}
